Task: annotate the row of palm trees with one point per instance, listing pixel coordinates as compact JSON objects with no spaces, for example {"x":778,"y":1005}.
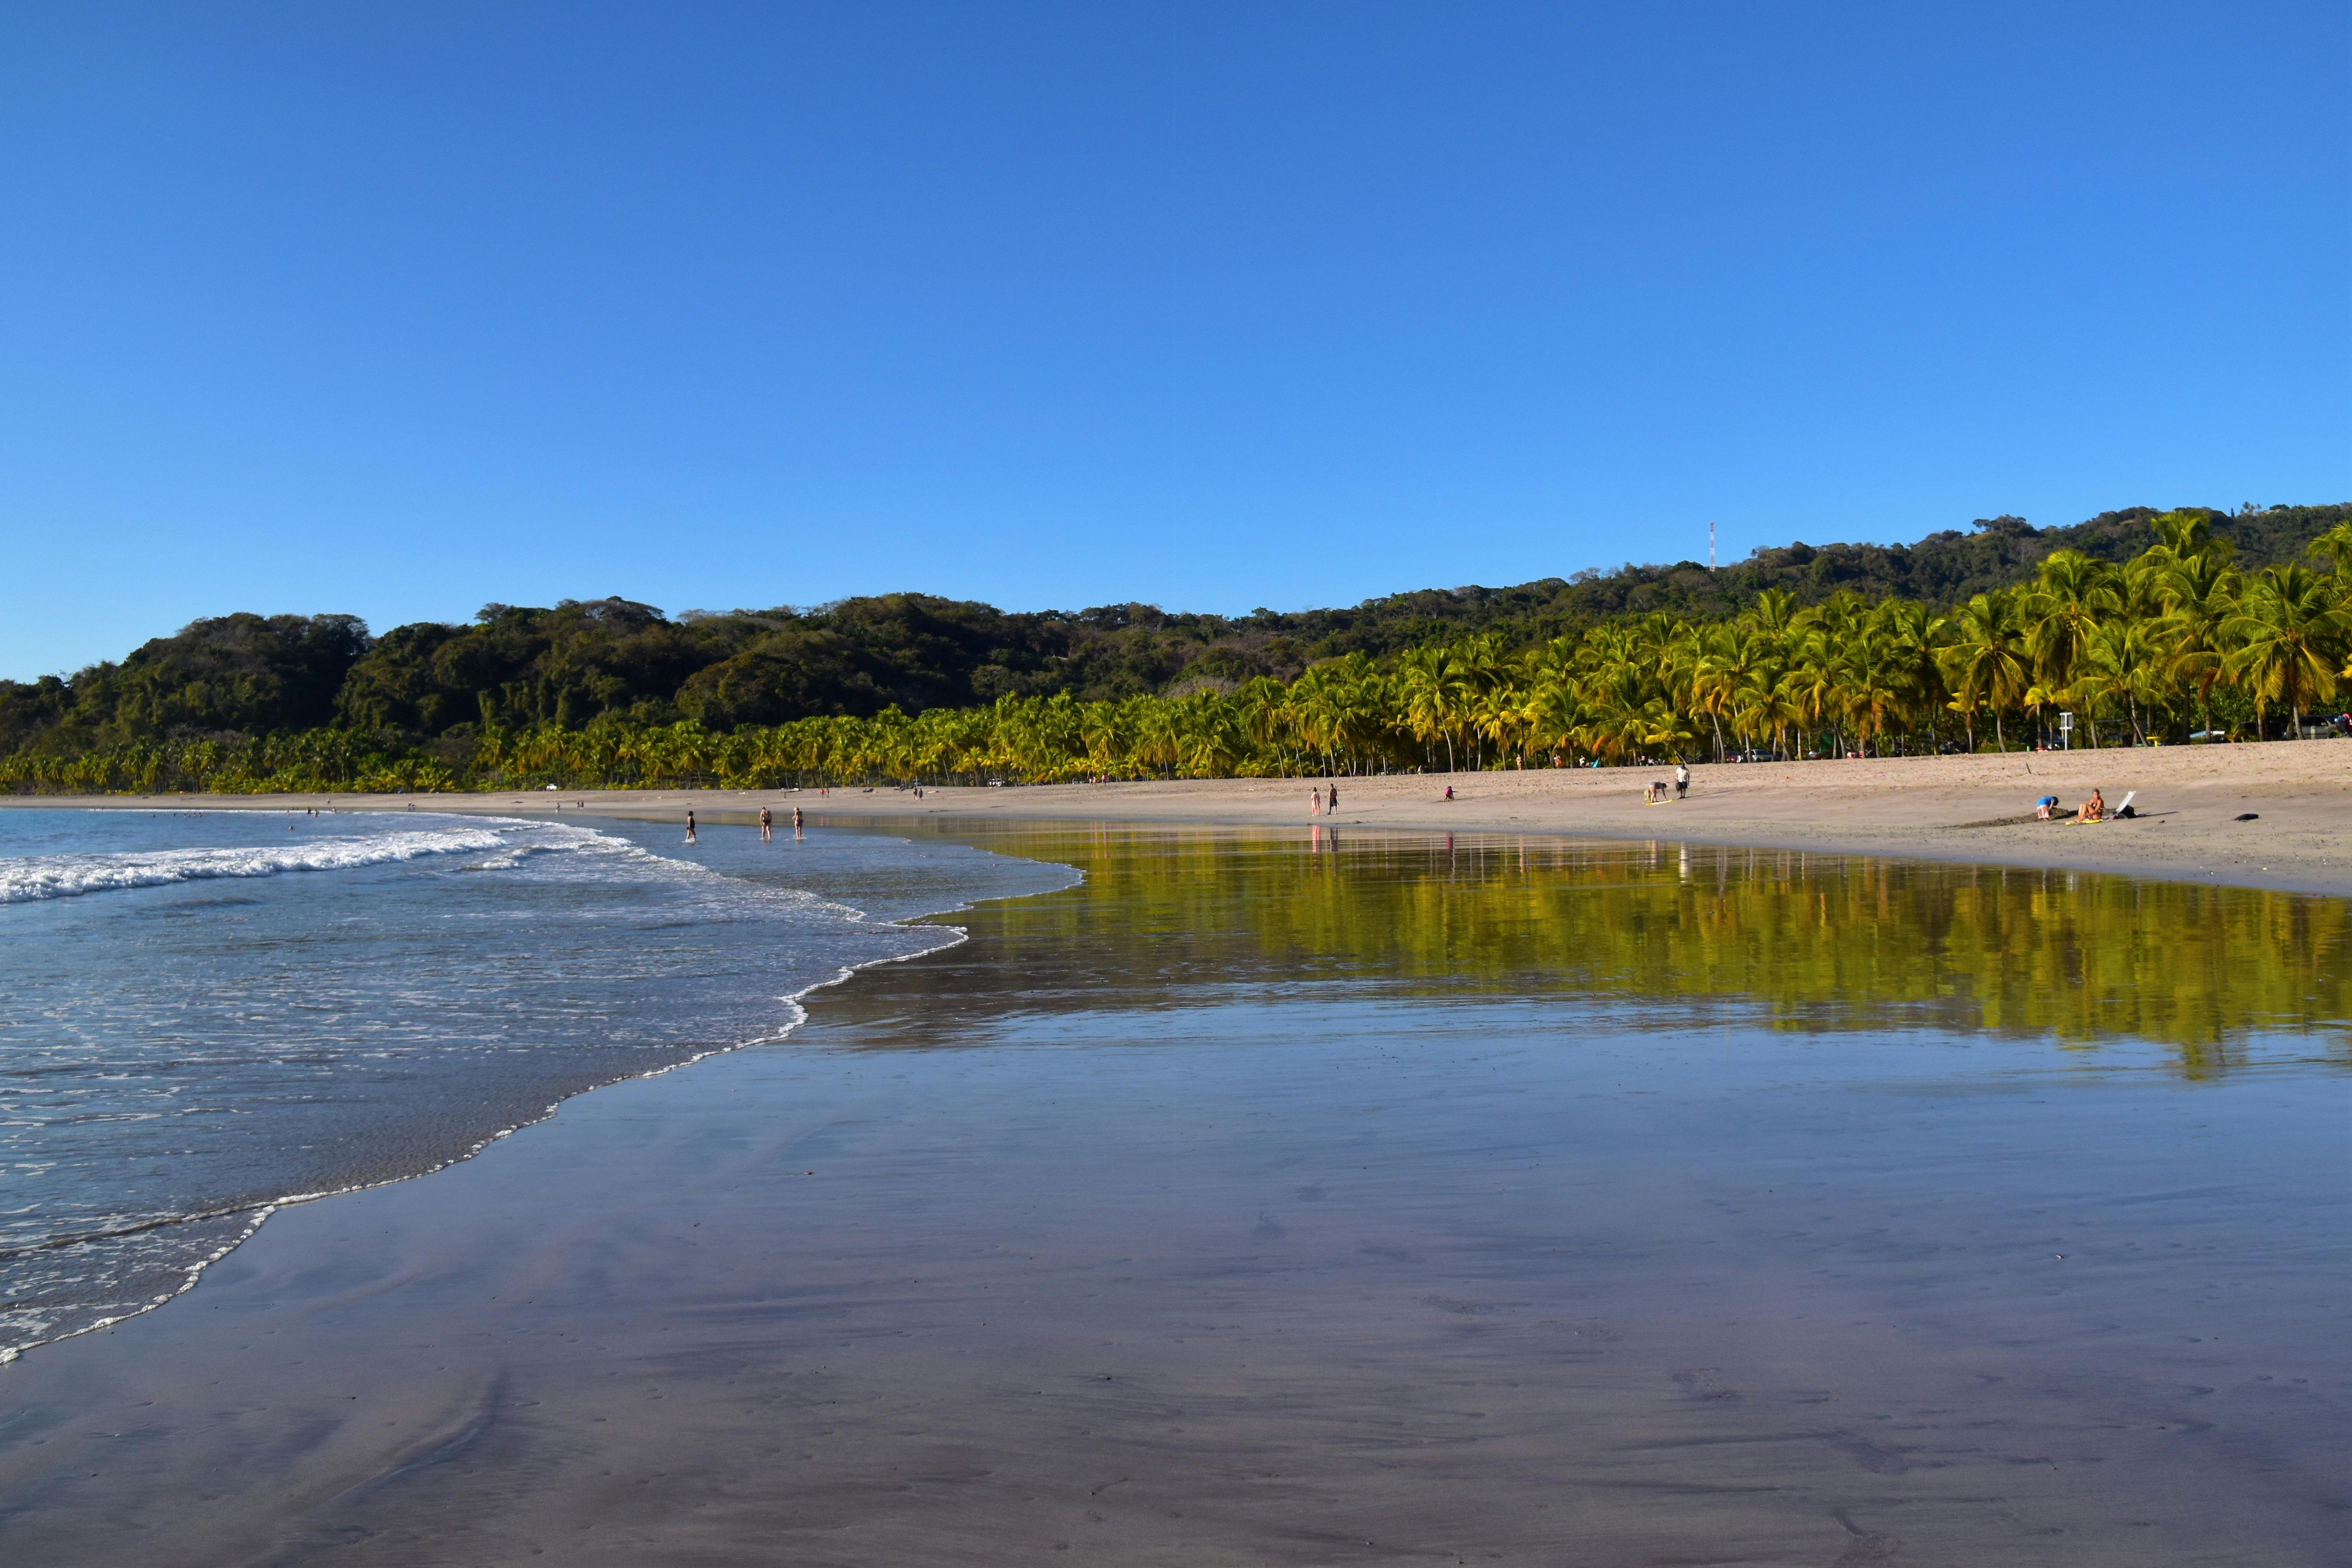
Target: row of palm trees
{"x":2176,"y":644}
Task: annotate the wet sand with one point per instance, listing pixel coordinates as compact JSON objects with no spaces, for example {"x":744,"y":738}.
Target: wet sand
{"x":1972,"y":808}
{"x":1143,"y":1228}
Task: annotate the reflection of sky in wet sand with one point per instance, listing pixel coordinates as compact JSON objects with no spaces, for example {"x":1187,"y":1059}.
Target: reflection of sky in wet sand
{"x":1252,"y":1204}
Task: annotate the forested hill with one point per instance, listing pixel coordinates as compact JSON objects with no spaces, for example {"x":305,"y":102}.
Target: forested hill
{"x":251,"y":675}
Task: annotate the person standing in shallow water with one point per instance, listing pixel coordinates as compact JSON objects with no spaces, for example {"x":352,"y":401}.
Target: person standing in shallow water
{"x":796,"y":821}
{"x":767,"y":826}
{"x":690,"y":827}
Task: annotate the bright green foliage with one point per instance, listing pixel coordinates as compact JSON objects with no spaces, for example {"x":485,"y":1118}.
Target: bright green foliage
{"x":2143,"y":649}
{"x":1811,"y":942}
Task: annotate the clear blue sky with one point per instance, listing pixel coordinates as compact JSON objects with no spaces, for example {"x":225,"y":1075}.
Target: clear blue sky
{"x":399,"y":308}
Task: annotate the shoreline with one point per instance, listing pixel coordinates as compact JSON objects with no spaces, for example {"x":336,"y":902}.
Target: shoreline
{"x":936,"y":919}
{"x":1931,"y":808}
{"x":1267,"y":1278}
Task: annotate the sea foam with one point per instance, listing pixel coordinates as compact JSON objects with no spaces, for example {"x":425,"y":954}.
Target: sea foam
{"x":32,"y":877}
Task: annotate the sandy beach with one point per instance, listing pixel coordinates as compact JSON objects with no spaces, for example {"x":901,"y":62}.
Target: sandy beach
{"x":1460,"y":1182}
{"x":1161,"y":1223}
{"x":1976,"y":808}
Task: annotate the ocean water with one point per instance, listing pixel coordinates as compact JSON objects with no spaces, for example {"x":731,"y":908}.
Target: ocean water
{"x":1263,"y":1196}
{"x":205,"y":1016}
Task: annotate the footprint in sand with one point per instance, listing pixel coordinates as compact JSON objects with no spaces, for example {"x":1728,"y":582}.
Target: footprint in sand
{"x":1862,"y":1546}
{"x":1590,"y":1328}
{"x":1878,"y":1461}
{"x":1700,"y":1383}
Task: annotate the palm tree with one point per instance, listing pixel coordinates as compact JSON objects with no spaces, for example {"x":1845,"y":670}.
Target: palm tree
{"x":2200,"y":594}
{"x":1986,"y":661}
{"x":2183,"y":535}
{"x":1774,"y":614}
{"x":1499,"y":714}
{"x":2071,"y":594}
{"x":1720,"y":660}
{"x":1433,"y":695}
{"x":2114,"y":665}
{"x":1555,"y":713}
{"x":1817,"y":682}
{"x":1874,"y":684}
{"x":2337,"y":545}
{"x":2290,"y":639}
{"x":1917,"y":634}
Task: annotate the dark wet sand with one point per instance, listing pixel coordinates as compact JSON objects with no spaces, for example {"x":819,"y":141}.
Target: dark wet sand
{"x":1103,"y":1239}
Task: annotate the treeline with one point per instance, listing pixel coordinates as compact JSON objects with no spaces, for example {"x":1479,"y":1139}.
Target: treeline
{"x":435,"y":688}
{"x":2176,"y":643}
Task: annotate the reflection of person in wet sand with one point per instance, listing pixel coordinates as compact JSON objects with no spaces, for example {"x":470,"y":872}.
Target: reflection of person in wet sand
{"x":767,"y":825}
{"x":690,"y":827}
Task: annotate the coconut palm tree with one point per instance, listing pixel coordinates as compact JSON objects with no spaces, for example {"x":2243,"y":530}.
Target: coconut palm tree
{"x":2071,"y":594}
{"x":2337,"y":545}
{"x":1986,"y":662}
{"x":1433,"y":695}
{"x":2290,"y":639}
{"x":2200,"y":594}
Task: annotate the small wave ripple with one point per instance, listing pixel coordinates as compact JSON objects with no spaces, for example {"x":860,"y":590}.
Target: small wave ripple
{"x":33,"y":878}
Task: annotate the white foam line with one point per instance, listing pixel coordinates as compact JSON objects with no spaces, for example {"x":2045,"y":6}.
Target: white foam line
{"x":40,"y":876}
{"x":957,"y":936}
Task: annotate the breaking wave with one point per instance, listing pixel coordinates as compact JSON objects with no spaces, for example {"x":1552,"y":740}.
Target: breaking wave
{"x":33,"y":878}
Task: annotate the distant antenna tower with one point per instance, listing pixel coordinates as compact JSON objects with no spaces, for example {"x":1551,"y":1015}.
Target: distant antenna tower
{"x":1710,"y":544}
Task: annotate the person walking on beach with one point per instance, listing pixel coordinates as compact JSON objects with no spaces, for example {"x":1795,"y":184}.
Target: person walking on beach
{"x":1331,"y":807}
{"x":690,"y":827}
{"x":1315,"y":801}
{"x":767,"y":826}
{"x":1682,"y":780}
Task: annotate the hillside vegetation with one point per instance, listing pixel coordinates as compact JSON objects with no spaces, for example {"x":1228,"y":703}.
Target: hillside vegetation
{"x":2141,"y":622}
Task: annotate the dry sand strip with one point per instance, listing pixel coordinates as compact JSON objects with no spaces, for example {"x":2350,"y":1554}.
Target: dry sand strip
{"x":1977,"y":808}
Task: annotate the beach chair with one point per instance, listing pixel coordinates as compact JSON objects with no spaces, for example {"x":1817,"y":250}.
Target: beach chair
{"x":2124,"y":809}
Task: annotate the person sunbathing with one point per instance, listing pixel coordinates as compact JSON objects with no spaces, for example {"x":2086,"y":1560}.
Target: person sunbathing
{"x":2094,"y":809}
